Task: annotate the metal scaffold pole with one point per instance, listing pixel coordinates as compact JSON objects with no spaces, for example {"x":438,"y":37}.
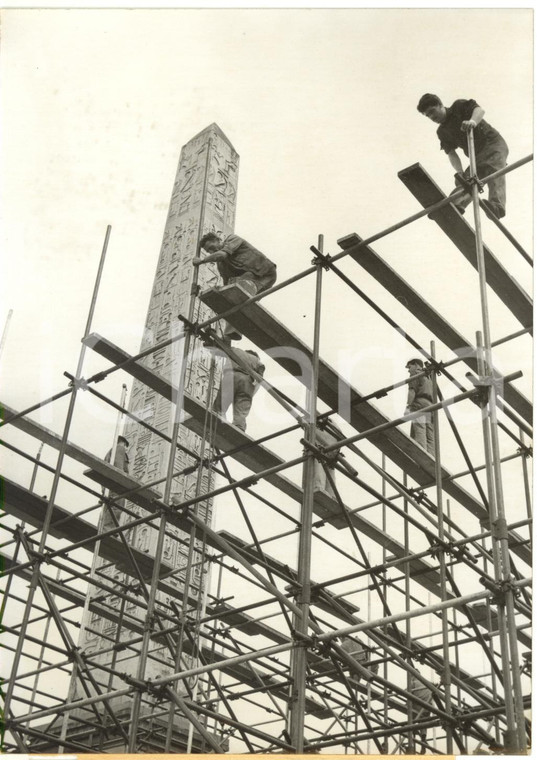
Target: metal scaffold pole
{"x":517,"y":733}
{"x":442,"y":584}
{"x":516,"y":736}
{"x":301,"y":621}
{"x":50,"y":504}
{"x":442,"y":559}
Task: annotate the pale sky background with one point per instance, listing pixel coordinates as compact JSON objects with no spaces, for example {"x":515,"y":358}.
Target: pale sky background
{"x":320,"y":105}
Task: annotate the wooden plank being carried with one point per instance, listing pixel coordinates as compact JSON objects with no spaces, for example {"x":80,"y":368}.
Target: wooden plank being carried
{"x":257,"y":458}
{"x":423,"y":187}
{"x":285,"y":348}
{"x":367,"y":258}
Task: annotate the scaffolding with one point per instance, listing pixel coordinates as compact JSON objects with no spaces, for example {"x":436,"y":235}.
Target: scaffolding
{"x":274,"y":655}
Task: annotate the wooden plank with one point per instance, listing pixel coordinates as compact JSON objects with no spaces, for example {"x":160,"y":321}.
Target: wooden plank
{"x":28,"y":506}
{"x":427,"y":192}
{"x":367,"y":258}
{"x":243,"y":673}
{"x":292,"y":354}
{"x":259,"y":325}
{"x":345,"y":610}
{"x":120,"y":480}
{"x":258,"y":458}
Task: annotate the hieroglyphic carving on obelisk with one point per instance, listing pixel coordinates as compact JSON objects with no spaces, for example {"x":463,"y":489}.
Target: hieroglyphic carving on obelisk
{"x":203,"y":199}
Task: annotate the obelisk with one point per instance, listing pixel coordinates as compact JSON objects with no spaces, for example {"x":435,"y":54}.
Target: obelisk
{"x":203,"y":199}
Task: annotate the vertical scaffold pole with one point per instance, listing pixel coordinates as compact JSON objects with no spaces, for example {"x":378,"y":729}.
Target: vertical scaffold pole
{"x":442,"y":558}
{"x":516,"y":733}
{"x":496,"y":555}
{"x":94,"y":562}
{"x":299,"y":659}
{"x":55,"y":483}
{"x":385,"y":587}
{"x":408,"y":632}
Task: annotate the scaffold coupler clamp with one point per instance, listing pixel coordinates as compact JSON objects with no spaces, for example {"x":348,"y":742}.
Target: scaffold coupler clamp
{"x":321,"y":259}
{"x":439,"y":547}
{"x":500,"y":589}
{"x":435,"y":367}
{"x":191,"y":327}
{"x":468,"y":182}
{"x":159,"y":691}
{"x":418,"y":494}
{"x":525,"y":451}
{"x":310,"y":449}
{"x":136,"y":684}
{"x":527,"y":665}
{"x":482,"y":385}
{"x":303,"y":640}
{"x":78,"y":383}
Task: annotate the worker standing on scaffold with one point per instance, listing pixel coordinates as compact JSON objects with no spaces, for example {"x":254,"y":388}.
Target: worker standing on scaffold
{"x":237,"y":386}
{"x":240,"y":263}
{"x":490,"y":148}
{"x":420,"y":395}
{"x":121,"y":461}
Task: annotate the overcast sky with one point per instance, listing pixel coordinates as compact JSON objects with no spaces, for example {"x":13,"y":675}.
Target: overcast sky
{"x":320,"y":104}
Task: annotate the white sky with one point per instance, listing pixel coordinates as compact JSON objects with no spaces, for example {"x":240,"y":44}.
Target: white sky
{"x":321,"y":106}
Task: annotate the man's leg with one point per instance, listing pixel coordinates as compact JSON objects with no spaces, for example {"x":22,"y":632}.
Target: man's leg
{"x":224,"y":395}
{"x":417,"y":432}
{"x":247,"y":282}
{"x":267,"y":281}
{"x":429,"y":434}
{"x":241,"y":408}
{"x":464,"y":201}
{"x":491,"y":159}
{"x":242,"y":399}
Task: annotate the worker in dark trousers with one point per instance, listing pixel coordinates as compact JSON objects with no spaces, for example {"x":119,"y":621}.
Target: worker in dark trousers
{"x":121,"y":461}
{"x":420,"y":395}
{"x":240,"y":263}
{"x":490,"y":148}
{"x":237,"y":387}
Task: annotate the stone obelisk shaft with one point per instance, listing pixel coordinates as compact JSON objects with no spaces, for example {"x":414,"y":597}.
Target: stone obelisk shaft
{"x":203,"y":199}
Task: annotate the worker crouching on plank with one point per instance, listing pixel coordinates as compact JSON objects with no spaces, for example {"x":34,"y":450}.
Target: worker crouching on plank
{"x":420,"y":395}
{"x":490,"y":148}
{"x":237,"y":387}
{"x":239,"y":263}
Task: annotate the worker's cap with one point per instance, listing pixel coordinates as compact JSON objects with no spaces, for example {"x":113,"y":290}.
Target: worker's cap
{"x":419,"y":362}
{"x":122,"y":439}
